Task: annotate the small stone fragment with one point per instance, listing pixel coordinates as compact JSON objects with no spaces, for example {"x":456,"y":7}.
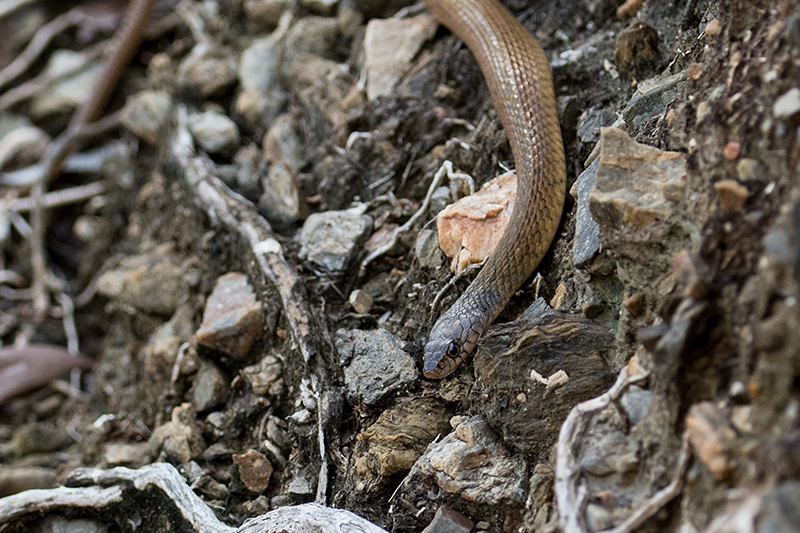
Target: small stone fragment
{"x":260,"y":63}
{"x":255,"y":470}
{"x":636,"y":403}
{"x":390,"y":45}
{"x":211,"y":387}
{"x":310,"y":35}
{"x":448,"y":520}
{"x":280,"y":203}
{"x":330,"y":239}
{"x":787,"y":105}
{"x":375,"y":364}
{"x":266,"y":377}
{"x":282,"y":143}
{"x":179,"y":440}
{"x":653,"y":99}
{"x":361,"y":301}
{"x":427,"y":249}
{"x":732,"y":195}
{"x":711,"y":437}
{"x":587,"y":230}
{"x":636,"y":184}
{"x":636,"y":48}
{"x":153,"y":282}
{"x":558,"y":297}
{"x":694,"y":71}
{"x":476,"y":223}
{"x":131,"y":454}
{"x":713,"y":27}
{"x":749,"y":170}
{"x":634,"y":303}
{"x":233,"y":318}
{"x":207,"y":70}
{"x":732,"y":150}
{"x":146,"y":113}
{"x":215,"y":132}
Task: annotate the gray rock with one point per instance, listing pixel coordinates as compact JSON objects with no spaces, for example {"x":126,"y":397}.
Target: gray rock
{"x":146,"y":113}
{"x":283,"y":144}
{"x":258,"y":108}
{"x":211,"y":387}
{"x":636,"y":403}
{"x":360,"y":301}
{"x":280,"y":202}
{"x":440,"y":198}
{"x":448,"y":520}
{"x":215,"y":132}
{"x":787,"y":104}
{"x":207,"y":70}
{"x":266,"y":377}
{"x":312,"y":35}
{"x":427,"y":249}
{"x":330,"y":239}
{"x":376,"y":364}
{"x":301,"y":486}
{"x":259,"y":64}
{"x":179,"y":440}
{"x":653,"y":99}
{"x":591,"y":121}
{"x":587,"y":230}
{"x":390,"y":45}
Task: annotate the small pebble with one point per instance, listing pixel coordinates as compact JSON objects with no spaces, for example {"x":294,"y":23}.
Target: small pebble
{"x":732,"y":150}
{"x":448,"y":520}
{"x":361,"y":301}
{"x":694,"y":71}
{"x":732,"y":195}
{"x":713,"y":27}
{"x":634,"y":303}
{"x":787,"y":104}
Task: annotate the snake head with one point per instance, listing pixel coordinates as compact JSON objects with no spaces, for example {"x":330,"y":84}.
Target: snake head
{"x":452,"y":340}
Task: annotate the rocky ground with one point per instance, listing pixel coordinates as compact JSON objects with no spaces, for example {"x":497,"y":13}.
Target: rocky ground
{"x":252,"y":265}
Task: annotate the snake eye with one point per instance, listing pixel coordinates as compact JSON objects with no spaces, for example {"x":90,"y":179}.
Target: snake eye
{"x":452,"y":349}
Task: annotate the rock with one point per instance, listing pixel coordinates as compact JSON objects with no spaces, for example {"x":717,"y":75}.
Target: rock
{"x":69,"y":92}
{"x":375,"y":364}
{"x":260,"y":63}
{"x":179,"y":440}
{"x":162,"y":347}
{"x":390,"y":45}
{"x":255,"y":470}
{"x":636,"y":49}
{"x":132,"y":454}
{"x":263,"y":15}
{"x":396,"y":440}
{"x":301,"y":486}
{"x":787,"y":105}
{"x":258,"y":108}
{"x":153,"y":282}
{"x":207,"y":70}
{"x":591,"y":121}
{"x":16,"y":479}
{"x":215,"y":132}
{"x":266,"y":377}
{"x":469,"y":467}
{"x":360,"y":301}
{"x":324,"y":7}
{"x":233,"y":319}
{"x":247,"y":161}
{"x":427,"y":250}
{"x":527,"y":413}
{"x":636,"y":402}
{"x":749,"y":170}
{"x":634,"y":303}
{"x":587,"y":231}
{"x":470,"y":229}
{"x":652,"y":99}
{"x":146,"y":113}
{"x":711,"y":437}
{"x":280,"y":203}
{"x":211,"y":387}
{"x":331,"y":239}
{"x":211,"y":489}
{"x":282,"y":143}
{"x":636,"y":184}
{"x":311,"y":35}
{"x":448,"y":520}
{"x":732,"y":195}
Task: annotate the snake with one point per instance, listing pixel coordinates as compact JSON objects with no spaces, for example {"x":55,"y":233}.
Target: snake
{"x":520,"y":82}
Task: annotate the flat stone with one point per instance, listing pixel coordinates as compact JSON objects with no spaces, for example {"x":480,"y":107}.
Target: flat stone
{"x":470,"y":229}
{"x":587,"y":230}
{"x":653,"y":99}
{"x":400,"y":435}
{"x":390,"y":45}
{"x":215,"y":132}
{"x":375,"y":364}
{"x":255,"y":470}
{"x":331,"y":239}
{"x":153,"y":282}
{"x":146,"y":113}
{"x":233,"y":319}
{"x":636,"y":184}
{"x":448,"y":520}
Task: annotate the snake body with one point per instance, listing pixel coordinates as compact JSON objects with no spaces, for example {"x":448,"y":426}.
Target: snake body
{"x":519,"y":79}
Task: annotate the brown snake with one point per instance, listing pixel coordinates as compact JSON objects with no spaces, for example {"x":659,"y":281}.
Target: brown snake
{"x":519,"y":79}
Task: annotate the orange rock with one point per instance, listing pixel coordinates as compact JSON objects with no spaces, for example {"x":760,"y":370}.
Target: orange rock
{"x":475,"y":223}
